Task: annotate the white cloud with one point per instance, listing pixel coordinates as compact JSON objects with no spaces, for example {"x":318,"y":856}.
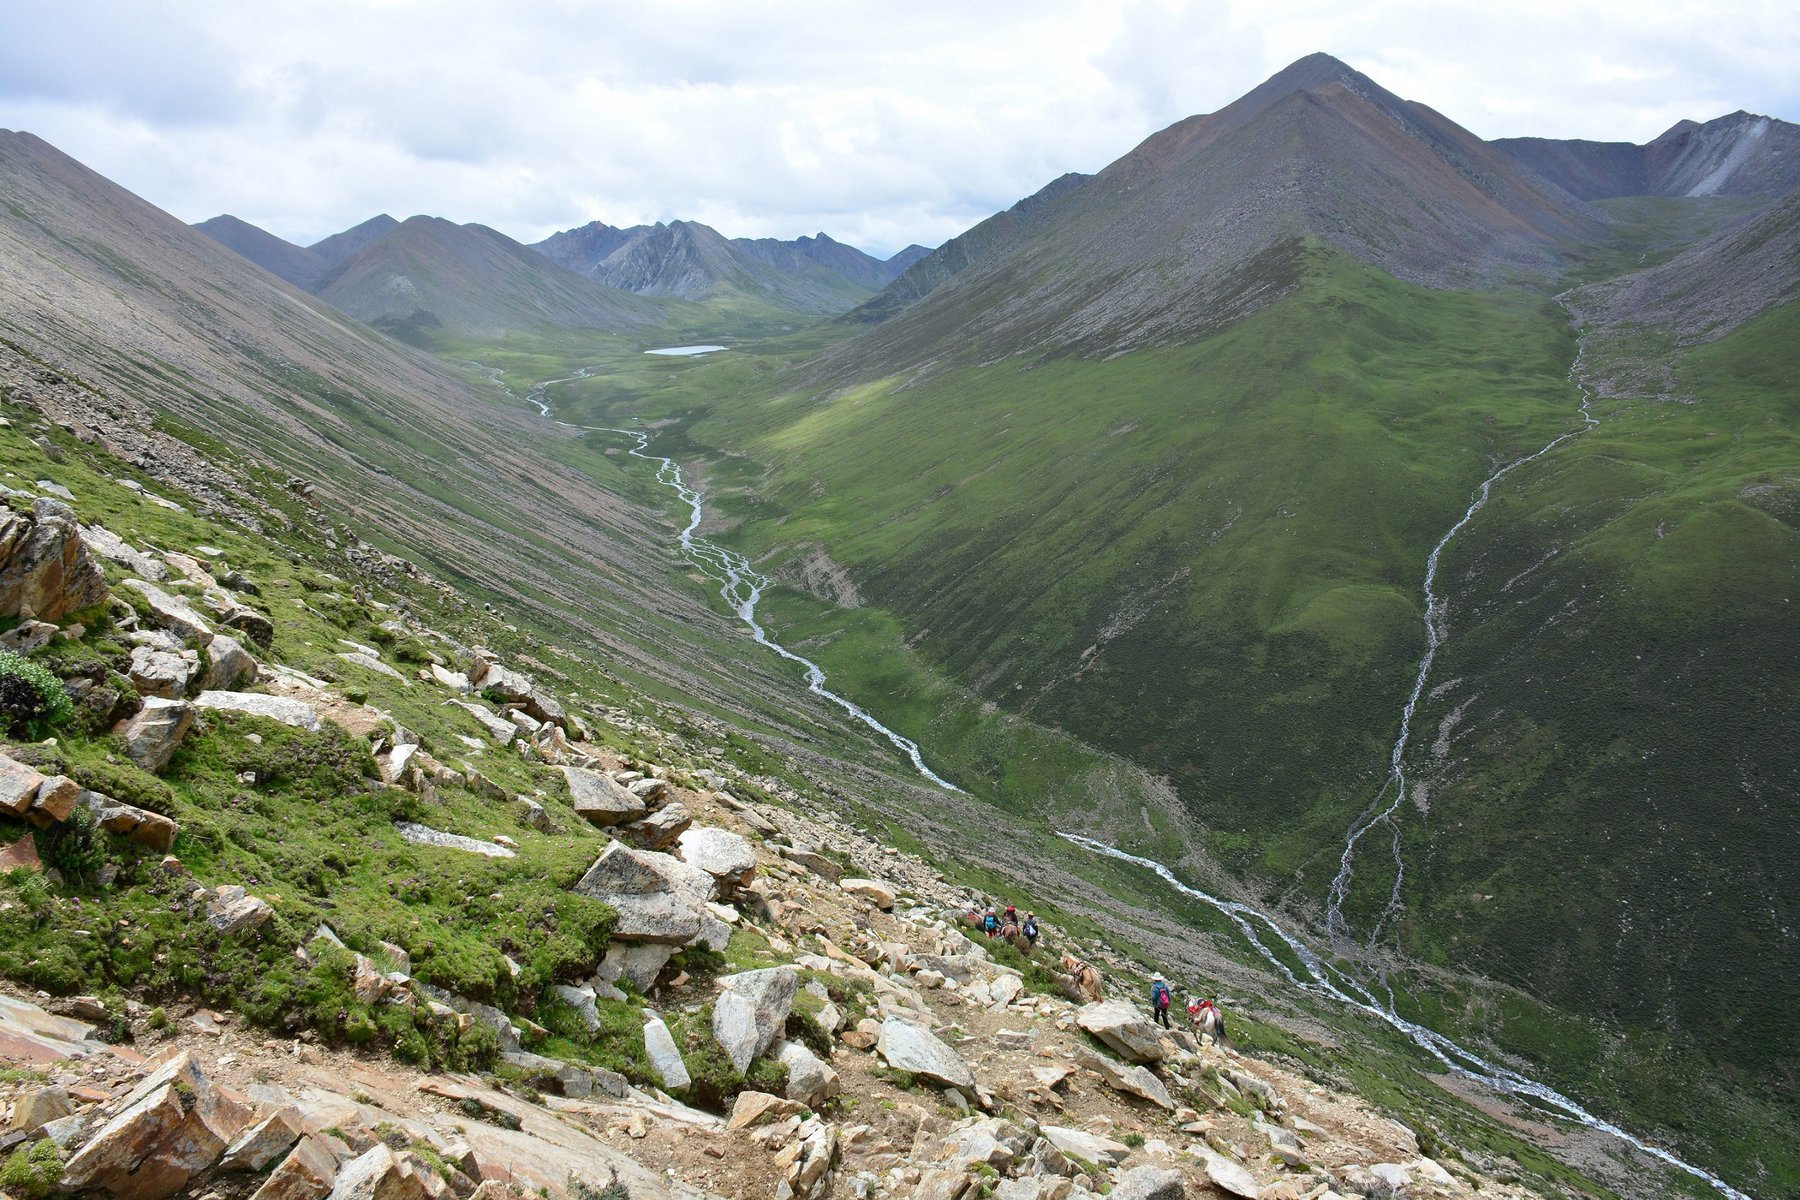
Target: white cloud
{"x":880,"y":125}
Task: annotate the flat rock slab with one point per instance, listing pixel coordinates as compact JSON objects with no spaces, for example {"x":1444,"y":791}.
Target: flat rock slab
{"x":285,"y":709}
{"x":425,"y":835}
{"x":1089,"y":1147}
{"x":1120,"y":1025}
{"x":910,"y":1047}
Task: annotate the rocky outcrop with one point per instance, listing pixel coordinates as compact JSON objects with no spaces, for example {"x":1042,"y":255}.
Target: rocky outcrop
{"x":728,"y":857}
{"x":285,"y":709}
{"x":879,"y":894}
{"x":142,"y":826}
{"x":45,"y":570}
{"x":170,"y":1127}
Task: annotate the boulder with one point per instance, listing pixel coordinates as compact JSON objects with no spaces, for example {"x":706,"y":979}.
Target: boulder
{"x":1132,"y":1080}
{"x":751,"y":1012}
{"x":658,"y":898}
{"x":567,"y":1078}
{"x":142,"y":826}
{"x":809,"y":1080}
{"x":1122,"y":1026}
{"x":1089,"y":1147}
{"x":22,"y":853}
{"x":45,"y":570}
{"x":165,"y":673}
{"x":660,"y":829}
{"x":753,"y":1108}
{"x":252,"y":624}
{"x":55,"y":799}
{"x":984,"y":1141}
{"x":582,"y":1000}
{"x":19,"y":785}
{"x":173,"y":614}
{"x":1225,"y":1175}
{"x":488,"y":675}
{"x":307,"y":1173}
{"x":910,"y":1047}
{"x":498,"y":728}
{"x":879,"y":894}
{"x":231,"y":910}
{"x":285,"y":709}
{"x":37,"y":1108}
{"x":600,"y":799}
{"x":726,"y":856}
{"x":636,"y":964}
{"x":1005,"y":989}
{"x":1149,"y":1183}
{"x":229,"y":664}
{"x":813,"y":861}
{"x":172,"y":1126}
{"x":107,"y":544}
{"x":28,"y":637}
{"x":381,"y":1174}
{"x":152,"y":736}
{"x":665,"y":1056}
{"x":264,"y":1142}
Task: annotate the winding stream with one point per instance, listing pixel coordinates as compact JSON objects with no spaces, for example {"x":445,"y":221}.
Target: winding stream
{"x":1437,"y":632}
{"x":742,"y":587}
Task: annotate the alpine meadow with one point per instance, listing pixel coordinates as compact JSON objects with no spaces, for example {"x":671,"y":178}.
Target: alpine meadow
{"x":1337,"y":562}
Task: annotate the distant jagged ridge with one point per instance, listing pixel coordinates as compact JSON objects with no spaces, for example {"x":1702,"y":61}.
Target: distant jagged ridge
{"x":1741,"y":154}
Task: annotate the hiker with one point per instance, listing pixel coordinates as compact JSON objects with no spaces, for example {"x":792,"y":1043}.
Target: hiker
{"x":1160,"y":999}
{"x":990,"y":924}
{"x":1031,"y":930}
{"x":1012,"y":916}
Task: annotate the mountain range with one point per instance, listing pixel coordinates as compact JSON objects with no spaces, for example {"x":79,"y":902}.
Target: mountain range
{"x":1389,"y":529}
{"x":427,"y":279}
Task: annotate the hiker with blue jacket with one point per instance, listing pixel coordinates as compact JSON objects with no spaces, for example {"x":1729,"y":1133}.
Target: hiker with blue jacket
{"x":1160,"y":1000}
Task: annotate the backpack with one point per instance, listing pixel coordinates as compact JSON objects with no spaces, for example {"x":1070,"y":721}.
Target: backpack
{"x":1031,"y":929}
{"x":1159,"y":995}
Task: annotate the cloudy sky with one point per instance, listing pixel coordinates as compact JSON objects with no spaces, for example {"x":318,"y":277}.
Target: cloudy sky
{"x":881,"y":123}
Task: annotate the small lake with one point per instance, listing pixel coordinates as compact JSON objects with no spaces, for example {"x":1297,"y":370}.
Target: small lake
{"x":686,"y":351}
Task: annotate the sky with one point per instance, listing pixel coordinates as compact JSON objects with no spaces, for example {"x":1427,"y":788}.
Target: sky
{"x":882,"y":124}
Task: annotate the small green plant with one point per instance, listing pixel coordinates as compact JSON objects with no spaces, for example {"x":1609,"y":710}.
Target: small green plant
{"x":32,"y":698}
{"x":158,"y":1018}
{"x":1134,"y":1139}
{"x":32,"y":1172}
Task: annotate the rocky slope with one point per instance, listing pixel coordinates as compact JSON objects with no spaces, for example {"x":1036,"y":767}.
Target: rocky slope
{"x":776,"y":1005}
{"x":1740,"y":154}
{"x":282,"y":259}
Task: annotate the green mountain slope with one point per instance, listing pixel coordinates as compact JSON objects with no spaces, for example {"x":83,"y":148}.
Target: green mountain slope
{"x":429,"y":278}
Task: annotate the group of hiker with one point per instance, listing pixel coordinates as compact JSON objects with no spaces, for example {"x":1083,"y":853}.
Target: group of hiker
{"x":1083,"y":979}
{"x":1007,"y":926}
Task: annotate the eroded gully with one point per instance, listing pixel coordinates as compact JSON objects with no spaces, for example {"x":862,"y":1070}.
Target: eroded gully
{"x":741,"y":586}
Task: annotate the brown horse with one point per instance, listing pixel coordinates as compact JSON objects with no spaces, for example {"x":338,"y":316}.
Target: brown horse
{"x":1083,"y":979}
{"x":1012,"y":935}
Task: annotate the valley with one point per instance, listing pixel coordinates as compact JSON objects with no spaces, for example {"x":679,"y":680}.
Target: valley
{"x":1333,"y":559}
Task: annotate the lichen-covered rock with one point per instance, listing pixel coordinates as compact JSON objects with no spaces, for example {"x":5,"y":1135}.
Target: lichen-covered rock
{"x":726,"y":856}
{"x":658,"y":898}
{"x":140,"y":825}
{"x":1121,"y":1025}
{"x":45,"y":570}
{"x":285,"y":709}
{"x":601,"y":800}
{"x":910,"y":1047}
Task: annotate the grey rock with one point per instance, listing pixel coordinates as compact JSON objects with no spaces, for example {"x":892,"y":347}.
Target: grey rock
{"x":1132,"y":1080}
{"x":175,"y":615}
{"x":658,"y":898}
{"x":165,"y":673}
{"x":285,"y":709}
{"x":909,"y":1046}
{"x":425,"y":835}
{"x":264,"y":1142}
{"x":566,"y":1078}
{"x":880,"y":894}
{"x":752,"y":1010}
{"x":1225,"y":1174}
{"x":1122,"y":1026}
{"x":600,"y":800}
{"x":665,"y":1056}
{"x":813,"y":861}
{"x":232,"y":910}
{"x":1149,"y":1183}
{"x":809,"y":1080}
{"x":230,"y":664}
{"x":152,"y":736}
{"x":28,"y":637}
{"x":636,"y":963}
{"x":660,"y":829}
{"x":107,"y":544}
{"x":582,"y":1001}
{"x":726,"y":856}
